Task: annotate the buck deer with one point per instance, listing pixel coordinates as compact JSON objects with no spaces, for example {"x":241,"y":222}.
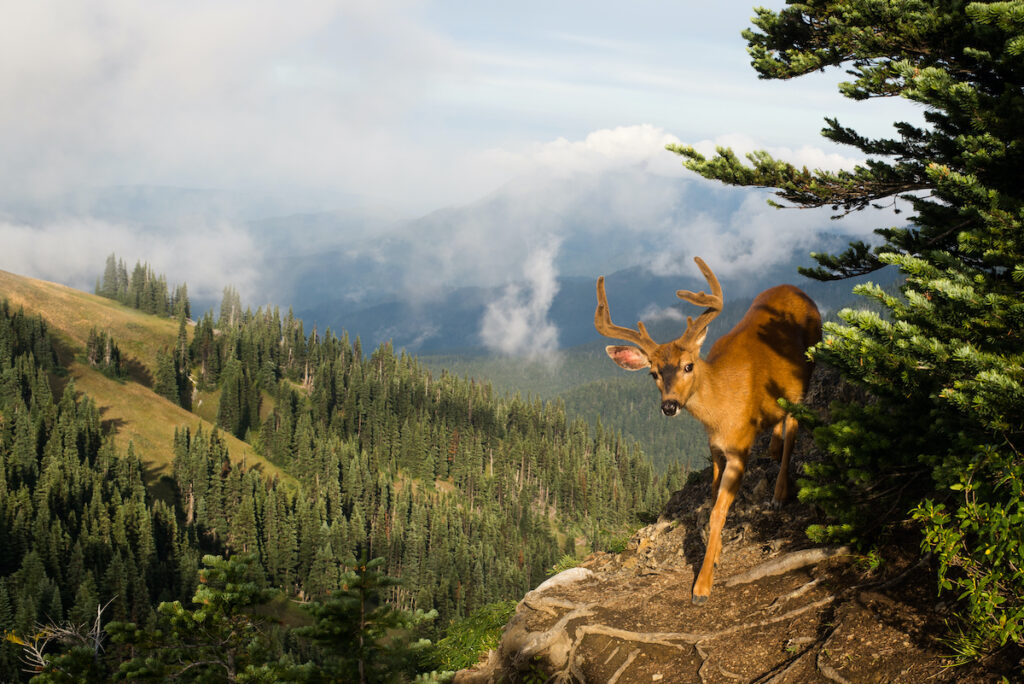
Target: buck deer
{"x":734,"y":391}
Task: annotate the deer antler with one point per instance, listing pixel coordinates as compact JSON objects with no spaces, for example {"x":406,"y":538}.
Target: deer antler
{"x":713,"y":302}
{"x":604,"y":325}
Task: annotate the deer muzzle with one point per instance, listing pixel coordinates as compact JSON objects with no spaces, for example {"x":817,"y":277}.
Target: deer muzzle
{"x":670,"y":407}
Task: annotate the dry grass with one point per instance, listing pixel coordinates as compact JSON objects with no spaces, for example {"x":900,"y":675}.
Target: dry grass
{"x":72,"y":314}
{"x":130,"y":411}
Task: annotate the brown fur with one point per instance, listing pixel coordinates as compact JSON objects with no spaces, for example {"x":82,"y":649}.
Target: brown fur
{"x":734,"y":391}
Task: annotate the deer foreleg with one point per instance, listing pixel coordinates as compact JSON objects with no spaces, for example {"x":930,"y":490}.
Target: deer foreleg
{"x":717,"y":466}
{"x":731,"y":477}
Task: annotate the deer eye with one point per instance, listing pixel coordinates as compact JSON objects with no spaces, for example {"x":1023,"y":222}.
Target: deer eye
{"x":654,"y":375}
{"x":688,"y":367}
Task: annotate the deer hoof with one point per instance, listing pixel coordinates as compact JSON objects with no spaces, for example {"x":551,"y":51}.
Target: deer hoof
{"x":775,"y":504}
{"x":698,"y":600}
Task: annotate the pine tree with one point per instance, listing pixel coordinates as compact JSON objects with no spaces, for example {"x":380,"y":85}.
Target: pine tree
{"x":945,"y":363}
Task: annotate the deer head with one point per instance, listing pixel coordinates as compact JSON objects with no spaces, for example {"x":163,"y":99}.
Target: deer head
{"x":675,"y":365}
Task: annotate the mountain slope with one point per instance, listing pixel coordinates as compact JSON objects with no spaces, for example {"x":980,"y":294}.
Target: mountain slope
{"x":130,"y":410}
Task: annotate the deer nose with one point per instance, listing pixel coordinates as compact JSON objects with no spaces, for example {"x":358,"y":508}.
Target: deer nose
{"x":670,"y":407}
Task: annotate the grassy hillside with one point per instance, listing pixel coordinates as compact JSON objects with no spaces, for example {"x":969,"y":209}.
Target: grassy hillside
{"x":130,"y":410}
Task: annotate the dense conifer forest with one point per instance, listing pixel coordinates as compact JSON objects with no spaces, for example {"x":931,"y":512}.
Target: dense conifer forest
{"x":466,"y":497}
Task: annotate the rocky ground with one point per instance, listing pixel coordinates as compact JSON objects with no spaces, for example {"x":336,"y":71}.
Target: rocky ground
{"x":780,"y":610}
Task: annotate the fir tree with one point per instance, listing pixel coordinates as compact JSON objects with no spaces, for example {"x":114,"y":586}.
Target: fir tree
{"x":182,"y":366}
{"x":108,"y":287}
{"x":365,"y":639}
{"x":945,"y":363}
{"x":220,"y":640}
{"x":166,"y":383}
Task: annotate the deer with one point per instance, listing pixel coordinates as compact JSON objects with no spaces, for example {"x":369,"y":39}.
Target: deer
{"x":734,"y":392}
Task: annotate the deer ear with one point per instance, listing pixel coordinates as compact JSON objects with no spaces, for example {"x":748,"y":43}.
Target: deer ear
{"x":630,"y":358}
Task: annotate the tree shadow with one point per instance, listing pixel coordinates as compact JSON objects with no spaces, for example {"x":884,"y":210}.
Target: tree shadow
{"x":111,"y":425}
{"x":138,"y":372}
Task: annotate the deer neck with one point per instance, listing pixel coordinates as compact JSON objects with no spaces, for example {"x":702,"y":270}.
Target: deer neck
{"x":704,"y":402}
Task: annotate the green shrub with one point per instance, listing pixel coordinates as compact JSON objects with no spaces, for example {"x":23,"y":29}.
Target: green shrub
{"x":471,"y":637}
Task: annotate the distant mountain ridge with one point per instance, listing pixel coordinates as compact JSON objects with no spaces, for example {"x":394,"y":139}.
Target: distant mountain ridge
{"x":425,"y":282}
{"x":452,"y":322}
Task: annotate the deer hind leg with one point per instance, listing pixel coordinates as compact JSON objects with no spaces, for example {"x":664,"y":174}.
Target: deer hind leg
{"x":787,"y":427}
{"x":731,"y":477}
{"x":778,"y":438}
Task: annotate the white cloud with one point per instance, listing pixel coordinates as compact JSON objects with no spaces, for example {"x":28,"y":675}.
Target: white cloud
{"x":253,"y":95}
{"x":755,"y":236}
{"x":73,"y":252}
{"x":613,"y":198}
{"x":517,"y":324}
{"x":653,"y":312}
{"x":392,"y":99}
{"x":641,"y":146}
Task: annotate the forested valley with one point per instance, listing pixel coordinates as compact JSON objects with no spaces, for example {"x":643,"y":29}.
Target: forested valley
{"x":464,"y":497}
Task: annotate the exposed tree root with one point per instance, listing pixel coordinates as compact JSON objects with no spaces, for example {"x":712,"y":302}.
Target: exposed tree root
{"x":787,"y":563}
{"x":898,"y":579}
{"x":796,"y":593}
{"x":658,"y":638}
{"x":678,"y":640}
{"x":622,"y":668}
{"x":540,"y":641}
{"x":769,"y":621}
{"x":829,"y":672}
{"x":548,"y":605}
{"x":569,"y":664}
{"x":706,"y":662}
{"x":775,"y":676}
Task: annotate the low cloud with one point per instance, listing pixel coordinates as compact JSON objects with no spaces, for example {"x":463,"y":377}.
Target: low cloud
{"x":517,"y":324}
{"x":73,"y":252}
{"x":616,"y":199}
